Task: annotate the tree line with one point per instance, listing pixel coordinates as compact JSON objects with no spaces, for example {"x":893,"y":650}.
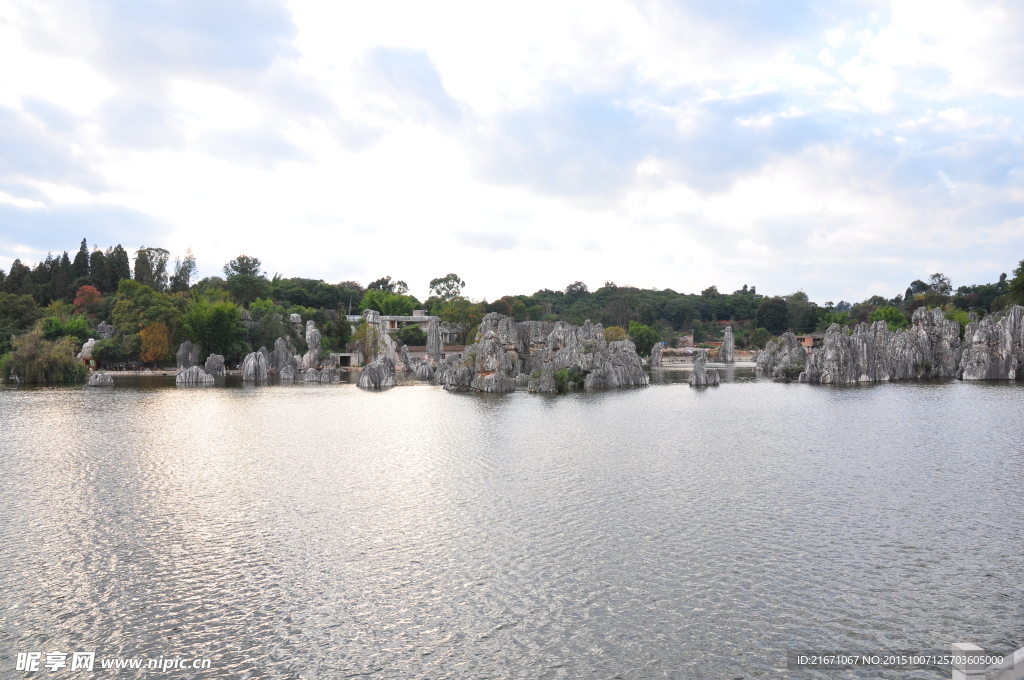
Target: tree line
{"x":153,"y":304}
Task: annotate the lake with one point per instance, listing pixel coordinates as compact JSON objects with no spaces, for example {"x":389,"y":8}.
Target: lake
{"x":322,"y":531}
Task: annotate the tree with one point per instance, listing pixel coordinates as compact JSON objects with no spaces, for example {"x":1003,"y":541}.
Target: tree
{"x":386,"y":284}
{"x":759,"y":338}
{"x":215,"y":326}
{"x":244,"y":265}
{"x":447,"y":287}
{"x":1016,"y":287}
{"x":576,"y":290}
{"x":772,"y":314}
{"x":643,"y":337}
{"x":80,"y":267}
{"x":245,"y":288}
{"x":88,"y":300}
{"x":35,"y":359}
{"x":61,"y":278}
{"x":156,"y":343}
{"x":893,"y":317}
{"x":55,"y":328}
{"x":940,"y":283}
{"x":118,"y":268}
{"x":139,"y":306}
{"x":18,"y":313}
{"x":151,"y":267}
{"x":412,"y":335}
{"x":388,"y":304}
{"x":99,"y":272}
{"x":17,"y":277}
{"x":184,"y":270}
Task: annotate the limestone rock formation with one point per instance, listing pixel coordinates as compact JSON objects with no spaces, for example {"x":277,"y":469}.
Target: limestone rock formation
{"x":215,"y":365}
{"x":287,"y":374}
{"x":193,"y":376}
{"x":106,"y":331}
{"x":783,"y":359}
{"x":254,"y":367}
{"x":505,"y":350}
{"x":930,"y":348}
{"x":312,"y":356}
{"x":101,"y":380}
{"x":247,"y":319}
{"x":727,"y":353}
{"x":424,"y":372}
{"x":311,"y":375}
{"x":187,"y":355}
{"x":282,"y":356}
{"x":656,"y":354}
{"x":702,"y":376}
{"x":435,"y":348}
{"x":994,"y":347}
{"x":406,"y":359}
{"x":86,"y":352}
{"x":377,"y":376}
{"x":542,"y":380}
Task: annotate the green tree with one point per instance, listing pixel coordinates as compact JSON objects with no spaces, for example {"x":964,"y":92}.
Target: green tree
{"x":447,"y":287}
{"x":35,"y":359}
{"x":643,"y":337}
{"x":243,"y":265}
{"x":18,"y":313}
{"x":74,"y":327}
{"x":121,"y":348}
{"x":412,"y":335}
{"x":772,"y":314}
{"x":1016,"y":288}
{"x":893,"y":317}
{"x":759,"y":338}
{"x":151,"y":267}
{"x":214,"y":326}
{"x":99,"y":272}
{"x":184,"y":270}
{"x":118,"y":268}
{"x":80,"y":267}
{"x":245,"y":288}
{"x":139,"y":306}
{"x":388,"y":304}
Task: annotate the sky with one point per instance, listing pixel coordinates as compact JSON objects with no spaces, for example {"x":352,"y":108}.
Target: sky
{"x":843,"y":148}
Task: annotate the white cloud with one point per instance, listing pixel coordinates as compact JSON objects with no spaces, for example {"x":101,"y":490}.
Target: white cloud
{"x":674,"y":144}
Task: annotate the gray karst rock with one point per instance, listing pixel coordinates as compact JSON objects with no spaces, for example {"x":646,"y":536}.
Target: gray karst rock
{"x":215,"y":365}
{"x":727,"y":353}
{"x":100,"y":380}
{"x":311,"y":375}
{"x":287,"y":374}
{"x":86,"y":352}
{"x":377,"y":376}
{"x":702,"y":376}
{"x":247,"y":319}
{"x":187,"y":355}
{"x":406,"y":359}
{"x":930,"y":348}
{"x":994,"y":347}
{"x":266,"y":356}
{"x":434,"y":346}
{"x":542,"y":380}
{"x":282,"y":356}
{"x":424,"y":372}
{"x":656,"y":354}
{"x":386,"y":345}
{"x":505,"y":350}
{"x":193,"y":376}
{"x":294,"y":318}
{"x":105,"y":330}
{"x":312,"y":357}
{"x":255,"y":367}
{"x":782,"y":359}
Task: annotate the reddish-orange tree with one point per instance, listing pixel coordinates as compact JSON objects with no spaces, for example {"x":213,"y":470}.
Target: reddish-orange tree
{"x":88,"y":299}
{"x":156,"y":342}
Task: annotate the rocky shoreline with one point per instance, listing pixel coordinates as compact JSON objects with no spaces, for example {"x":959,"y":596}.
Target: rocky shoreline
{"x":991,"y":349}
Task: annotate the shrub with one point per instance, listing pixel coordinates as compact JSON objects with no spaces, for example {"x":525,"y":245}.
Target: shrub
{"x":961,"y":317}
{"x":614,"y":333}
{"x":38,"y":360}
{"x":568,"y":378}
{"x":759,"y":338}
{"x":893,"y":317}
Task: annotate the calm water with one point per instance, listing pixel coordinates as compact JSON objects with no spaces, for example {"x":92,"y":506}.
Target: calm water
{"x":325,"y":532}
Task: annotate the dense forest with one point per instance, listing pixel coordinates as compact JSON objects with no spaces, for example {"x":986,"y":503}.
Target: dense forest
{"x":152,"y":304}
